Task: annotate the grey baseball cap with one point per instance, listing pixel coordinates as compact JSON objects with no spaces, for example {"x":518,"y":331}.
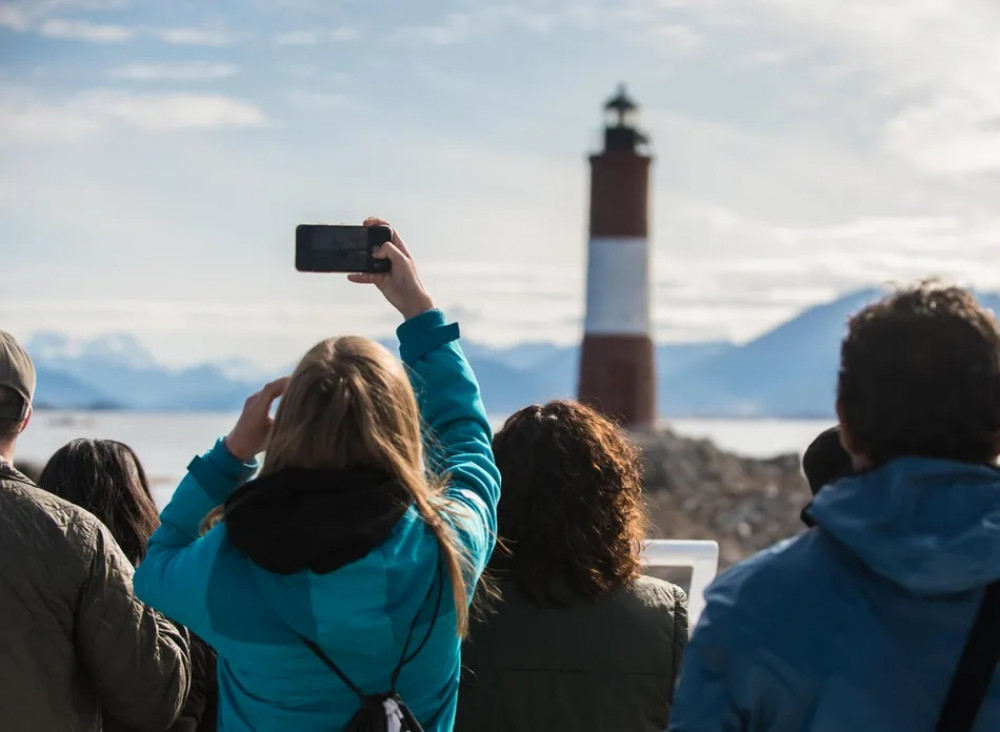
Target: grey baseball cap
{"x":16,"y":372}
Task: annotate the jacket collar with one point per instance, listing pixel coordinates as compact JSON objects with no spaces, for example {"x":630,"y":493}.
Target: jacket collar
{"x":316,"y":520}
{"x":9,"y":472}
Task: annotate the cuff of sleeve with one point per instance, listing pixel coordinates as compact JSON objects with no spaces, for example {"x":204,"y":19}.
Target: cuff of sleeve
{"x":420,"y":335}
{"x":218,"y":472}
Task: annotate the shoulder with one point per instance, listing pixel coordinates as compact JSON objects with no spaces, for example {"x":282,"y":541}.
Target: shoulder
{"x":779,"y":588}
{"x":652,"y":603}
{"x":656,"y":592}
{"x":49,"y":543}
{"x":777,"y":564}
{"x":46,"y":520}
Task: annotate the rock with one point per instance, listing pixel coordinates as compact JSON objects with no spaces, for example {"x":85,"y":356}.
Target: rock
{"x":697,"y":491}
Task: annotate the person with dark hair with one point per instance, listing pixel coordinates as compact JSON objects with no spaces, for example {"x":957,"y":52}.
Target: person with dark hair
{"x":579,"y":640}
{"x":883,"y":617}
{"x":825,"y":461}
{"x":106,"y":478}
{"x":74,"y":638}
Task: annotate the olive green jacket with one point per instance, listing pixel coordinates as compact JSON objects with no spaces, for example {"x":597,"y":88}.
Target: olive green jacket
{"x":73,"y":636}
{"x":607,"y":665}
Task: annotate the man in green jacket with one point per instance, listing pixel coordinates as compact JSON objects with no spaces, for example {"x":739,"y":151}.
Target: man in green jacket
{"x":73,"y":636}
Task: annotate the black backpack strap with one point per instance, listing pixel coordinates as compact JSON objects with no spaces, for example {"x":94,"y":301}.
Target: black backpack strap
{"x":332,"y":666}
{"x":975,"y":667}
{"x":403,"y":658}
{"x":438,"y":582}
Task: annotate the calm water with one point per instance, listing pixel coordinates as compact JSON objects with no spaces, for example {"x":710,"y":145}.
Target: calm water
{"x":167,"y":442}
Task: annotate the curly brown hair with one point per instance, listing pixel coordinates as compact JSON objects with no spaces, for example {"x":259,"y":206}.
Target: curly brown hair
{"x":920,"y":376}
{"x":571,"y":507}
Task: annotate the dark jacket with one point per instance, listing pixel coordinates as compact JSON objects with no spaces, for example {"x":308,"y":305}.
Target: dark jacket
{"x":859,"y":623}
{"x":201,"y":710}
{"x":73,"y":636}
{"x":607,"y":665}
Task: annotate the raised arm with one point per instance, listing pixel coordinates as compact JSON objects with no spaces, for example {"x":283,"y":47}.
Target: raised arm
{"x":174,"y":576}
{"x":459,"y":440}
{"x":458,"y":432}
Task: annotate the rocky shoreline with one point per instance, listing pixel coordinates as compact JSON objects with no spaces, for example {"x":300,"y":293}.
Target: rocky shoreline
{"x":697,"y":491}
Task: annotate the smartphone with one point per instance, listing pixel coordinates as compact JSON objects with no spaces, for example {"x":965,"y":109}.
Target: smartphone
{"x":325,"y":248}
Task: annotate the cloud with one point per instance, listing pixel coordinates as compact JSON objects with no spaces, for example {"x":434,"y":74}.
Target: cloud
{"x":38,"y":15}
{"x":14,"y":17}
{"x":761,"y":207}
{"x":81,"y":30}
{"x":766,"y":57}
{"x":181,"y":111}
{"x":27,"y":120}
{"x":929,"y":67}
{"x":746,"y":275}
{"x":462,"y":27}
{"x":34,"y":123}
{"x":681,"y":39}
{"x":934,"y":63}
{"x":22,"y":15}
{"x":455,"y":28}
{"x":950,"y":135}
{"x":502,"y":301}
{"x":180,"y":71}
{"x":196,"y":37}
{"x":316,"y":36}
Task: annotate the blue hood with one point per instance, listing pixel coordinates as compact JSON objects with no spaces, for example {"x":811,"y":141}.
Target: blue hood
{"x":931,"y":526}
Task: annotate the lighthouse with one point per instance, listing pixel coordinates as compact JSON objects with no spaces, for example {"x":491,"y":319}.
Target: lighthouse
{"x":617,"y":371}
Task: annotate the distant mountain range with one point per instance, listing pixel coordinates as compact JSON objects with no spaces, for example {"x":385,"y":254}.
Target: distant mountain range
{"x":790,"y":371}
{"x":117,"y":372}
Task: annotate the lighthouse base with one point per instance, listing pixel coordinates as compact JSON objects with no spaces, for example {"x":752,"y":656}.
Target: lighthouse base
{"x":617,"y":377}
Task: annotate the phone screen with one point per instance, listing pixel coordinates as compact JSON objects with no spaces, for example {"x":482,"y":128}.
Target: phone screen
{"x":332,"y":248}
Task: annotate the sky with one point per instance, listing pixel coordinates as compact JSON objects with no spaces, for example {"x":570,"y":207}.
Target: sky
{"x":155,"y":158}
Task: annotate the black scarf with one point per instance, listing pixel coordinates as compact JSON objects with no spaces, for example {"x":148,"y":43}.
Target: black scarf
{"x":319,"y":520}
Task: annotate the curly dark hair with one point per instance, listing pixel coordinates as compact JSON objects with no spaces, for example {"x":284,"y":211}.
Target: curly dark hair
{"x":920,"y":376}
{"x":571,"y":507}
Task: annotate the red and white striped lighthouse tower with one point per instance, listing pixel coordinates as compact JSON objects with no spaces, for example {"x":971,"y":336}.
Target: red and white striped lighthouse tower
{"x":617,"y":371}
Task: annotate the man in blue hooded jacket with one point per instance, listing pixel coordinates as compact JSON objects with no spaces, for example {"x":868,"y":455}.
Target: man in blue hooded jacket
{"x":859,"y":623}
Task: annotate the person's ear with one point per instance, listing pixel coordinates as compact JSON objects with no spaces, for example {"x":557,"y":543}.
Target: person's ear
{"x":27,"y":418}
{"x":849,"y":442}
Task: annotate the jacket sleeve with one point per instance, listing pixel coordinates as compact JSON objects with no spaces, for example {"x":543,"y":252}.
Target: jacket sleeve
{"x":458,"y":438}
{"x":139,"y":662}
{"x":174,"y":576}
{"x":201,"y":702}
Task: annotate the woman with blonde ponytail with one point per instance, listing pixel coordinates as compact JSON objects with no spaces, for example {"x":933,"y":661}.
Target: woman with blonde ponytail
{"x":342,"y":573}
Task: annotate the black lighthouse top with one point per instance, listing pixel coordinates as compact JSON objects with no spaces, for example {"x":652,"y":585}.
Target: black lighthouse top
{"x":620,"y":132}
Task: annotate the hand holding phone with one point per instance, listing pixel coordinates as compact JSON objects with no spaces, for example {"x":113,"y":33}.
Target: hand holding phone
{"x":400,"y":284}
{"x":325,"y":248}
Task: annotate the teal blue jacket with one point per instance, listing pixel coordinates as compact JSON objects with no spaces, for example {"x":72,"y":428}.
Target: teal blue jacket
{"x":359,"y":614}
